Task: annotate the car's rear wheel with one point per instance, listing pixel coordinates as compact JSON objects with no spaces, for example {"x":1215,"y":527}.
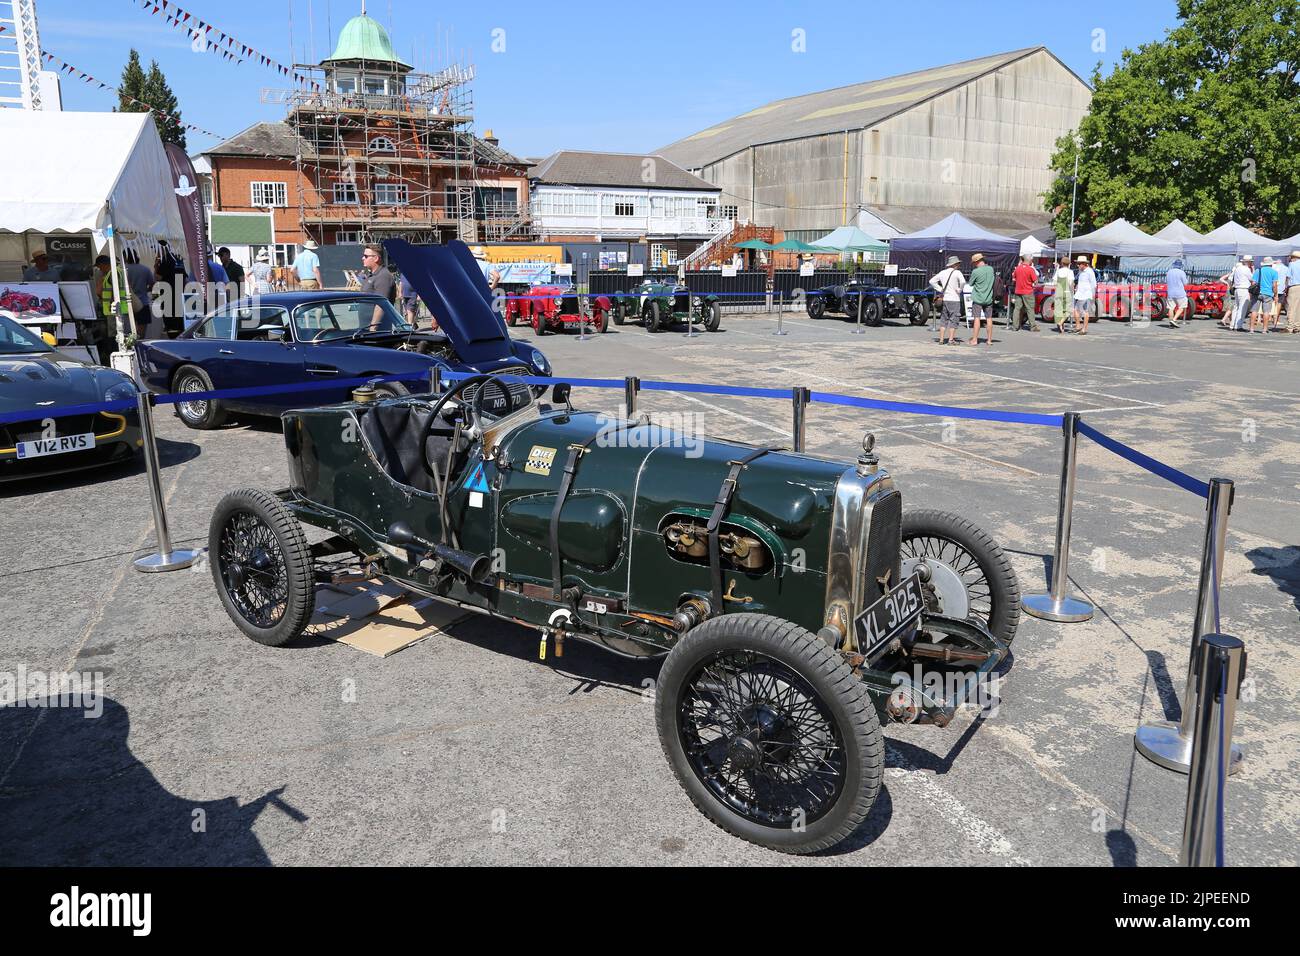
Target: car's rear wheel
{"x":619,"y":310}
{"x":769,"y":732}
{"x":600,"y":320}
{"x":970,"y":577}
{"x":202,"y":414}
{"x":713,"y":321}
{"x":655,"y":318}
{"x":262,"y":566}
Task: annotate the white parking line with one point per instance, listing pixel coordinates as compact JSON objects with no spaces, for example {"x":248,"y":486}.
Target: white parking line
{"x":978,"y":831}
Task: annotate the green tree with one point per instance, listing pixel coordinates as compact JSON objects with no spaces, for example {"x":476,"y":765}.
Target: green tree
{"x":151,"y":88}
{"x":1201,"y":126}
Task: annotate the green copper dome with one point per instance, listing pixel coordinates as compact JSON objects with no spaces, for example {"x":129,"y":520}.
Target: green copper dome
{"x":363,"y":38}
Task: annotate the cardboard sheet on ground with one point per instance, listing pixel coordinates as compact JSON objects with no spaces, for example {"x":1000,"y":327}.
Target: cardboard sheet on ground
{"x":378,"y":618}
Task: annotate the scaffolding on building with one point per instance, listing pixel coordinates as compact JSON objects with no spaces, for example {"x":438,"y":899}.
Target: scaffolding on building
{"x":388,"y":153}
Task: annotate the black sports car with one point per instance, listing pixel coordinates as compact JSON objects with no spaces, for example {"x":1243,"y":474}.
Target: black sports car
{"x":35,"y":376}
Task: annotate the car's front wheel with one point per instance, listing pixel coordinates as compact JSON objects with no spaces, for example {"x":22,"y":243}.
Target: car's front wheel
{"x":655,"y":318}
{"x":202,"y":413}
{"x":769,"y":732}
{"x":918,"y":310}
{"x":713,"y":320}
{"x":262,"y":566}
{"x":967,"y":574}
{"x":816,"y":306}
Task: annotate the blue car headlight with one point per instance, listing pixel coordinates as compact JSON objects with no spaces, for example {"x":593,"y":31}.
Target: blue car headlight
{"x":540,"y":364}
{"x":122,"y":391}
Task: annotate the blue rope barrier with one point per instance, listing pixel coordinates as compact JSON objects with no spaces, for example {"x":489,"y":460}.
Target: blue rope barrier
{"x":943,"y":411}
{"x":252,"y":390}
{"x":1167,"y":472}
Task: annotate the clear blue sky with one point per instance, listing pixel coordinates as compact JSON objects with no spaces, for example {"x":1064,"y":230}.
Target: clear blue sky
{"x":596,"y":75}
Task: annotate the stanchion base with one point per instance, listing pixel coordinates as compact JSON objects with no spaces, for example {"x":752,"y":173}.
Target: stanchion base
{"x":1161,"y":743}
{"x":174,"y":561}
{"x":857,"y":331}
{"x":1065,"y":611}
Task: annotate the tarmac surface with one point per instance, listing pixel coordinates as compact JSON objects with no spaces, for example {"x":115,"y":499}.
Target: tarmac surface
{"x":466,"y":749}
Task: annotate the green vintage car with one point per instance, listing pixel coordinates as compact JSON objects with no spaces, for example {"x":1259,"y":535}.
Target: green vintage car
{"x":793,"y":602}
{"x":657,"y":305}
{"x":795,"y":605}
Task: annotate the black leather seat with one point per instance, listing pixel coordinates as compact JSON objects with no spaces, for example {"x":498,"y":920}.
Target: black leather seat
{"x":392,"y":431}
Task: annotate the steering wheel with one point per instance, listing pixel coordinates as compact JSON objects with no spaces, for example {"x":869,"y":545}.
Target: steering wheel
{"x":432,"y":426}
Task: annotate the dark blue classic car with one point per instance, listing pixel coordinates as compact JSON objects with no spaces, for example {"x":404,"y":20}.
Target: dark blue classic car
{"x":298,"y":337}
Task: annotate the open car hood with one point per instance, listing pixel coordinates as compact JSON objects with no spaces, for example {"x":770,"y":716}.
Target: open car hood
{"x":452,"y":285}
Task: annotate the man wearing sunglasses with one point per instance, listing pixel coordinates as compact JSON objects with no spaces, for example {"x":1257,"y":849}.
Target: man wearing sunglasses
{"x":376,"y":280}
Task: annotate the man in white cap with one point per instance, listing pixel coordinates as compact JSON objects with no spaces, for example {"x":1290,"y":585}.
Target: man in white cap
{"x":307,"y":265}
{"x":1293,"y":293}
{"x":1238,"y":282}
{"x":1085,"y":293}
{"x":950,"y":284}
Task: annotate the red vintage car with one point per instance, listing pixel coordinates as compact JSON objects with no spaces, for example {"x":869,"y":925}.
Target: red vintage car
{"x":1123,"y":299}
{"x":18,"y":302}
{"x":552,"y":307}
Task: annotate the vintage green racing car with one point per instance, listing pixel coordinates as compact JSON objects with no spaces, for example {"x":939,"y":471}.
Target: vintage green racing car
{"x":794,"y":603}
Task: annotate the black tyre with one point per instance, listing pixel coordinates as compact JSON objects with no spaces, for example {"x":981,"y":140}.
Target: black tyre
{"x":1159,"y":308}
{"x":262,"y":566}
{"x":918,"y":310}
{"x":1048,"y":310}
{"x":816,"y":305}
{"x":618,"y":312}
{"x":969,"y":572}
{"x":713,"y":321}
{"x":872,"y":311}
{"x":202,"y":415}
{"x":390,"y":390}
{"x":769,"y":732}
{"x":654,"y":321}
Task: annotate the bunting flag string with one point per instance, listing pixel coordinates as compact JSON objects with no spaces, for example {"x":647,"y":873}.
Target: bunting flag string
{"x":217,"y":40}
{"x":72,"y":71}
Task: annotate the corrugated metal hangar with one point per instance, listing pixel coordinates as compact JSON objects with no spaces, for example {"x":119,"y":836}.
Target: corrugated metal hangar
{"x":903,"y":151}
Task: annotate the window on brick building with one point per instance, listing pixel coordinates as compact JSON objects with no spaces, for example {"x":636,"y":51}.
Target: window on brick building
{"x":391,"y":194}
{"x":270,"y":194}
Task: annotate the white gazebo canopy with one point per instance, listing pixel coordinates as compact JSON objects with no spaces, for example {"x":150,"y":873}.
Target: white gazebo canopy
{"x":1234,"y":239}
{"x":1179,"y":231}
{"x":79,"y":172}
{"x":1120,"y":238}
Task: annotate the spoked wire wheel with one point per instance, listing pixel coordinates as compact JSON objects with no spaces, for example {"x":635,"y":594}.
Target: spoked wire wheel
{"x":761,"y":739}
{"x":769,"y":732}
{"x":253,"y":570}
{"x":261,"y":566}
{"x":969,"y":574}
{"x":193,"y":411}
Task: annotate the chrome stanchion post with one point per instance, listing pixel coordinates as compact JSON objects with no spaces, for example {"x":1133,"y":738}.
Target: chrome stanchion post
{"x":1165,"y":742}
{"x":780,"y":311}
{"x":1220,"y":668}
{"x":801,"y":397}
{"x":858,"y":330}
{"x":631,"y":385}
{"x":165,"y":559}
{"x":435,"y":380}
{"x":1057,"y":605}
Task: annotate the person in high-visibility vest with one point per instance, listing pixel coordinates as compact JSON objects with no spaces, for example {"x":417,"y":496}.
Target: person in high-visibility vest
{"x":107,"y":340}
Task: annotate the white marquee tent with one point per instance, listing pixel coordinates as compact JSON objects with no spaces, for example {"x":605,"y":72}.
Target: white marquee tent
{"x":1120,"y":238}
{"x":1234,"y":239}
{"x":84,"y":172}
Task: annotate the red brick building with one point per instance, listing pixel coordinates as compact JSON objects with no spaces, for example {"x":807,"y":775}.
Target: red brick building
{"x":371,"y":151}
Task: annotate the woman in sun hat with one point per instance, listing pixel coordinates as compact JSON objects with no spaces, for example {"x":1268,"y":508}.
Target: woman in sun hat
{"x":1064,"y":288}
{"x":261,"y":273}
{"x":950,"y":284}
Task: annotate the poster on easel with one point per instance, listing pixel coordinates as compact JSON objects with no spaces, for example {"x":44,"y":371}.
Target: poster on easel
{"x":31,"y":303}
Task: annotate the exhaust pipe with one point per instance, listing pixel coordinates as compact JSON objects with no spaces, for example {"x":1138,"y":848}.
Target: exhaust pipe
{"x":473,"y":567}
